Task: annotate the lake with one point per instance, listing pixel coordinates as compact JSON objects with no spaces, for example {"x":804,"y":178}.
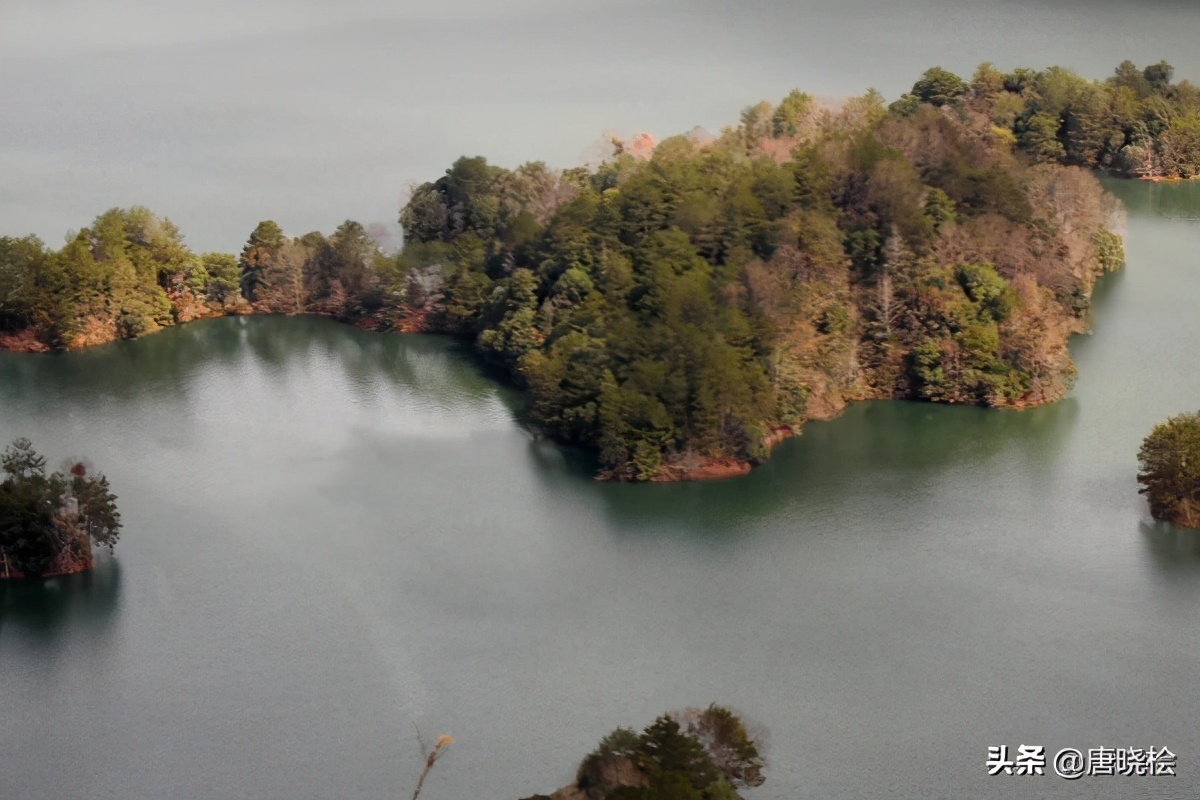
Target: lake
{"x":221,"y":113}
{"x":334,"y":539}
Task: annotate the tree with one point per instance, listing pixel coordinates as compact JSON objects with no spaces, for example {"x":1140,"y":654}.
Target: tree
{"x":791,"y":116}
{"x":340,"y":273}
{"x":1159,"y":75}
{"x":21,"y":462}
{"x":1128,"y":76}
{"x":28,"y":536}
{"x":687,"y":755}
{"x":51,"y":518}
{"x":263,"y":246}
{"x":734,"y":752}
{"x":97,"y":514}
{"x":24,"y":264}
{"x":224,"y":285}
{"x":1169,"y":470}
{"x":939,"y":87}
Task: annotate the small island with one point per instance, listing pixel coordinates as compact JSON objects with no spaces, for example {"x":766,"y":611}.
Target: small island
{"x":694,"y":754}
{"x":50,"y":521}
{"x":681,"y":306}
{"x":1169,"y":470}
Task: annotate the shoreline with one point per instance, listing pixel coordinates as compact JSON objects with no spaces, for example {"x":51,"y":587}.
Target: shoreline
{"x":65,"y":563}
{"x":705,"y":469}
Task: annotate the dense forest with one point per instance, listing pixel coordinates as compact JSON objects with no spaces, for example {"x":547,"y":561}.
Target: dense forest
{"x":130,"y":273}
{"x":1137,"y":123}
{"x":680,"y":306}
{"x":50,"y":520}
{"x":680,"y":309}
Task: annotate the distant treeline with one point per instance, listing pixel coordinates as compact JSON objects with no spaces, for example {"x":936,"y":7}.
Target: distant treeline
{"x":1137,"y":123}
{"x":683,"y":306}
{"x":130,"y":273}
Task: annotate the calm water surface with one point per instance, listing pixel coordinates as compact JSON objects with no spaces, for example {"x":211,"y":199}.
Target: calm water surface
{"x":334,"y":538}
{"x":220,"y":113}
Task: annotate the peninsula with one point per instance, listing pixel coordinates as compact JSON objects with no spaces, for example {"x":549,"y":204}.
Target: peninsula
{"x":683,"y":305}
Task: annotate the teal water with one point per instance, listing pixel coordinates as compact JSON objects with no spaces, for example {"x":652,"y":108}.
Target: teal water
{"x":333,"y":539}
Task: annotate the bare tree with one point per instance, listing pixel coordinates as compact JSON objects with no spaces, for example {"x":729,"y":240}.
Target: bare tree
{"x":440,"y":745}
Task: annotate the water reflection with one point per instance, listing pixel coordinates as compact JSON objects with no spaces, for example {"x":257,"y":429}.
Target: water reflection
{"x":157,"y":365}
{"x":41,"y":610}
{"x":1103,"y":297}
{"x":885,"y":445}
{"x":1174,"y":549}
{"x":1170,"y":200}
{"x":165,"y":364}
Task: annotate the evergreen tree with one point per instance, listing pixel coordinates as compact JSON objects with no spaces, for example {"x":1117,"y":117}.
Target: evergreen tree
{"x":1169,"y":470}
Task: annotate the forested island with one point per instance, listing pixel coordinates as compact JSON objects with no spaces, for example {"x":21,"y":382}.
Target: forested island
{"x":694,"y":754}
{"x":683,"y":305}
{"x":49,"y":521}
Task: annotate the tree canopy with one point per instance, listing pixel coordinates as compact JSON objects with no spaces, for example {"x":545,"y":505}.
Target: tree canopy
{"x":1137,"y":123}
{"x":695,"y":754}
{"x":127,"y":274}
{"x":681,"y":307}
{"x":1169,"y":470}
{"x":51,"y":520}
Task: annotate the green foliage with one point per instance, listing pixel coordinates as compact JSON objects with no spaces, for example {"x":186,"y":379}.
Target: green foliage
{"x":992,"y":295}
{"x":126,"y":275}
{"x":31,"y":285}
{"x":940,"y":208}
{"x":1136,"y":123}
{"x":98,"y":517}
{"x":693,"y":755}
{"x":1169,"y":470}
{"x":835,"y":320}
{"x":1112,"y":250}
{"x":41,"y":514}
{"x":263,"y":246}
{"x":939,"y":87}
{"x":733,"y":751}
{"x":28,"y":534}
{"x":224,"y":277}
{"x":962,"y":354}
{"x":651,"y":307}
{"x":791,"y":115}
{"x":469,"y":198}
{"x":343,"y":275}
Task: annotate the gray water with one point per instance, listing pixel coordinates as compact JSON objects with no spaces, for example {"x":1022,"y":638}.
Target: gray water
{"x":220,"y":113}
{"x":335,"y":538}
